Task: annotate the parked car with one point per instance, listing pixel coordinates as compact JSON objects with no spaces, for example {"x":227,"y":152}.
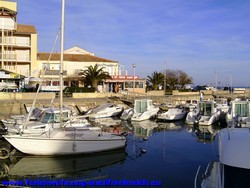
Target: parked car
{"x":201,"y":87}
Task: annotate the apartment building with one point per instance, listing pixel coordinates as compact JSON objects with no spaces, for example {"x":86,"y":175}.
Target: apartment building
{"x":18,"y":42}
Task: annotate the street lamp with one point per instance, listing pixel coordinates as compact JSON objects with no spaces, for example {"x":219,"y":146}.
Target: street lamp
{"x":134,"y":81}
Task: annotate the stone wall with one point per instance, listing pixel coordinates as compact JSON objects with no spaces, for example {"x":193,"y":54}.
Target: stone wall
{"x":25,"y":96}
{"x":93,"y":95}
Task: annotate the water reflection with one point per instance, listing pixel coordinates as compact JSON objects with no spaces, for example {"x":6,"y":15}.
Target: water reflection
{"x":205,"y":134}
{"x":176,"y":125}
{"x":108,"y":121}
{"x":147,"y":142}
{"x":144,"y":129}
{"x":20,"y":165}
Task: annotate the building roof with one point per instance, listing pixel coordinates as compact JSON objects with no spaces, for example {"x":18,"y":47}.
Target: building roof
{"x":8,"y":6}
{"x":26,"y":29}
{"x":77,"y":50}
{"x":72,"y":57}
{"x":6,"y":11}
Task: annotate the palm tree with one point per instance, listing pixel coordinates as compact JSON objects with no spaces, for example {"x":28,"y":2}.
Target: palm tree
{"x":93,"y":75}
{"x":156,"y":79}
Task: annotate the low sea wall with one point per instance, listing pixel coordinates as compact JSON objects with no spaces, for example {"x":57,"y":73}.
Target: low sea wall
{"x":93,"y":95}
{"x":25,"y":96}
{"x":207,"y":94}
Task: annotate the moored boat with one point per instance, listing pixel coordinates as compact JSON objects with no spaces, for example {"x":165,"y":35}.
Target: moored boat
{"x":205,"y":114}
{"x":173,"y":114}
{"x":239,"y":113}
{"x":144,"y":110}
{"x":233,"y":167}
{"x":105,"y":110}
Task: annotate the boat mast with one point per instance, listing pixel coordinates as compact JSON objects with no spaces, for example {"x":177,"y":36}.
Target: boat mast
{"x":61,"y":61}
{"x":165,"y":84}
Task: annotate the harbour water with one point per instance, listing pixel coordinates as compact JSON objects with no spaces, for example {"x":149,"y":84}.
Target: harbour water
{"x":157,"y":153}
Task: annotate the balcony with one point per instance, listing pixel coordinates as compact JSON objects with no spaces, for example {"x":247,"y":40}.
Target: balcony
{"x":15,"y":41}
{"x":54,"y":72}
{"x":15,"y":57}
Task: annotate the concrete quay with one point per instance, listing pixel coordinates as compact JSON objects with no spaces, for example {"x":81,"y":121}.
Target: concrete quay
{"x":18,"y":107}
{"x":16,"y":103}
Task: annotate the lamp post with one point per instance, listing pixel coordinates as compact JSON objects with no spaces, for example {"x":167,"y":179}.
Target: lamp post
{"x":134,"y":81}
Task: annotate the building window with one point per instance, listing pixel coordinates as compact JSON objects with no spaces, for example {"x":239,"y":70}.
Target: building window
{"x":139,"y":84}
{"x":128,"y":84}
{"x":55,"y":83}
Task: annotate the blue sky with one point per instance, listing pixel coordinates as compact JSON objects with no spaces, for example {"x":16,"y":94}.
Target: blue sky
{"x":199,"y":37}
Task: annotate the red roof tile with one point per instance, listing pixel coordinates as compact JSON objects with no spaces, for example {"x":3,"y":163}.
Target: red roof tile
{"x":72,"y":57}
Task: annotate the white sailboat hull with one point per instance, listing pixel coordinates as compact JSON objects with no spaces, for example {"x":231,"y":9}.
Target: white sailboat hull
{"x":63,"y":145}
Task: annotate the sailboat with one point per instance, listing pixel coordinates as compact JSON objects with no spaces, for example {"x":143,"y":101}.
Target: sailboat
{"x":65,"y":140}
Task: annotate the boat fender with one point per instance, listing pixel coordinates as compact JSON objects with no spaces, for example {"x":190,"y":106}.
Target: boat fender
{"x":4,"y":169}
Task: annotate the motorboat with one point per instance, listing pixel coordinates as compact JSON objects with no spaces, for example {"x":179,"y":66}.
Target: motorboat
{"x":233,"y":167}
{"x":208,"y":113}
{"x":239,"y":114}
{"x":222,"y":104}
{"x":192,"y":117}
{"x":191,"y":104}
{"x":127,"y":114}
{"x":144,"y":109}
{"x":3,"y":85}
{"x":173,"y":114}
{"x":105,"y":110}
{"x":7,"y":86}
{"x":167,"y":105}
{"x":50,"y":119}
{"x":11,"y":86}
{"x":20,"y":119}
{"x":205,"y":114}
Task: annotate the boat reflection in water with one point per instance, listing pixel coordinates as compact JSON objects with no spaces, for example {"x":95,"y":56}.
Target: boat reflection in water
{"x":108,"y":121}
{"x":144,"y":129}
{"x":20,"y":165}
{"x":176,"y":125}
{"x":205,"y":133}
